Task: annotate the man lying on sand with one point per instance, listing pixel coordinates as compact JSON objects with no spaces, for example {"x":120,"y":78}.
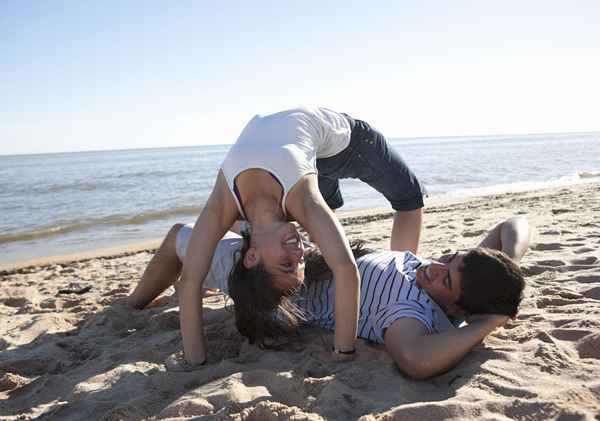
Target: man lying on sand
{"x":405,"y":301}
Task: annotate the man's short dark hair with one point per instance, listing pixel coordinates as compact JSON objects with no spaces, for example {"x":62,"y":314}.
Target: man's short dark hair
{"x":491,"y":283}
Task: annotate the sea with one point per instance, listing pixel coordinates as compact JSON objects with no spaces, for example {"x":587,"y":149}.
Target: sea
{"x":62,"y":203}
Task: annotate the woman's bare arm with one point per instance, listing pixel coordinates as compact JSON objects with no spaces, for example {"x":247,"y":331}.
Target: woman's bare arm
{"x":307,"y":205}
{"x":216,"y":217}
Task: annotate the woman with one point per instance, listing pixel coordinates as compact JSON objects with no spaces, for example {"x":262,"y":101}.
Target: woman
{"x":269,"y":177}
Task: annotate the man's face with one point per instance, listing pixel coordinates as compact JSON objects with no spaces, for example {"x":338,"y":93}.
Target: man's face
{"x":281,"y":252}
{"x":442,"y":281}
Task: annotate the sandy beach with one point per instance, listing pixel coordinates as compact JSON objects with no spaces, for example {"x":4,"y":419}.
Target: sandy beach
{"x":71,"y":350}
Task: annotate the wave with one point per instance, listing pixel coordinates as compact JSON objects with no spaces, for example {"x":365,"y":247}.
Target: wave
{"x":11,"y":190}
{"x":84,"y":186}
{"x":588,"y":174}
{"x":65,"y":227}
{"x":580,"y":177}
{"x":145,"y":174}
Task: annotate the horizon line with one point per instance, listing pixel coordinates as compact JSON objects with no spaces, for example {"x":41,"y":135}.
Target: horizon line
{"x":387,"y":137}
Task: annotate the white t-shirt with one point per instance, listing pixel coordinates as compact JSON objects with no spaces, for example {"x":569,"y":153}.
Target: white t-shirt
{"x":223,"y":258}
{"x":287,"y":144}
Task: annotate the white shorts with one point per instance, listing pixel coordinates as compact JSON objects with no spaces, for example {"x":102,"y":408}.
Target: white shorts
{"x":223,"y":258}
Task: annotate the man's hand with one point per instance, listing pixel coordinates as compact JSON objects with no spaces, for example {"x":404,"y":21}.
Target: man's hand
{"x":493,"y":320}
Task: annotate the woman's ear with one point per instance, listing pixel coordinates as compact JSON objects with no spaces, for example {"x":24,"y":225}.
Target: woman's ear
{"x":251,"y":258}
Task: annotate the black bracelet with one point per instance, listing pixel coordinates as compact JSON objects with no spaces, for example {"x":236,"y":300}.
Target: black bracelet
{"x":337,"y":351}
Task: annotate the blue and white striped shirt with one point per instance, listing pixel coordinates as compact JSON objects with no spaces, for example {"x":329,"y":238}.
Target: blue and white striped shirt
{"x":388,"y":289}
{"x":388,"y":292}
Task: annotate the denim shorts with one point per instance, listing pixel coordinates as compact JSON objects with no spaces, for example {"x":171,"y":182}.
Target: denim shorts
{"x":369,"y":158}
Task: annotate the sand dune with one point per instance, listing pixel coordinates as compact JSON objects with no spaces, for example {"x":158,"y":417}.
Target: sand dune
{"x":71,"y":350}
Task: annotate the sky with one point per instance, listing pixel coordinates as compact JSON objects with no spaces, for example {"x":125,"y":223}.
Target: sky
{"x":133,"y":74}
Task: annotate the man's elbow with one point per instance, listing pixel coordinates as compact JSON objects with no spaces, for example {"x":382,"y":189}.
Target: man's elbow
{"x":413,"y":365}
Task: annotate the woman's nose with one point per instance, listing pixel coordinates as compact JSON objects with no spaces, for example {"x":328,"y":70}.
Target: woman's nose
{"x":297,"y":254}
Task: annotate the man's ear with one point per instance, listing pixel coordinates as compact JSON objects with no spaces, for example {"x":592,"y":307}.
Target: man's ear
{"x":251,"y":258}
{"x":455,"y":310}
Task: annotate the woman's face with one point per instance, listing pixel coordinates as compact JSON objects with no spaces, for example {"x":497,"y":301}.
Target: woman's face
{"x":281,"y":252}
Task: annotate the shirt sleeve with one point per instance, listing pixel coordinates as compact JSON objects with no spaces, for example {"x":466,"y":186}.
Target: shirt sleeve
{"x":397,"y":310}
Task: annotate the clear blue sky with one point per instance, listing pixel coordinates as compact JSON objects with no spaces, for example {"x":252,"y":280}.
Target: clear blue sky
{"x":126,"y":74}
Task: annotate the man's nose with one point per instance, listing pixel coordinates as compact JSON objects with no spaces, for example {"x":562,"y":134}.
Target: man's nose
{"x":438,"y":270}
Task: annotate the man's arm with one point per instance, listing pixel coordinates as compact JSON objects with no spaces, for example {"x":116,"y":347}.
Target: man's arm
{"x":308,"y":207}
{"x":216,"y":217}
{"x":511,"y":236}
{"x":421,"y":355}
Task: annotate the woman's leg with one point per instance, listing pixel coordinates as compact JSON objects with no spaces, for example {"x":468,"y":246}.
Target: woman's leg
{"x":511,"y":236}
{"x":372,"y":160}
{"x":162,"y":272}
{"x":406,"y":231}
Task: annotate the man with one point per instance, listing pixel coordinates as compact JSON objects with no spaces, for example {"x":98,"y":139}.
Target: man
{"x":405,"y":301}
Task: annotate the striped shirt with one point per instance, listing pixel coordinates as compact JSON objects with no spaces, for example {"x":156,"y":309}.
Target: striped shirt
{"x":388,"y":292}
{"x":388,"y":289}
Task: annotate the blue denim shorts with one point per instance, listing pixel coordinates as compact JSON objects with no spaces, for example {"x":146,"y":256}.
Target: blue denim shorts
{"x":369,"y":158}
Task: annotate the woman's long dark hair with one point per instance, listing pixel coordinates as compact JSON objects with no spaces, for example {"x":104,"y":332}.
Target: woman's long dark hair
{"x":263,"y":312}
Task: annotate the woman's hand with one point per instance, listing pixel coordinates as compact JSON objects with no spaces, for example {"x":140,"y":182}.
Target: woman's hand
{"x":177,"y":362}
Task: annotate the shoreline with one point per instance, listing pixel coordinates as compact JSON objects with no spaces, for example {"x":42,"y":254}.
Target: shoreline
{"x":432,"y":205}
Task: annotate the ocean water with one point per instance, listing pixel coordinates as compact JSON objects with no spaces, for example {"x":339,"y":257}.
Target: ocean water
{"x":53,"y":204}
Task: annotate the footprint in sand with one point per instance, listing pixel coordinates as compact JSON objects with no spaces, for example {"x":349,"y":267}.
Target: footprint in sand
{"x":544,"y":302}
{"x":569,"y":334}
{"x":559,"y":211}
{"x":587,"y":279}
{"x":561,"y":292}
{"x":476,"y":233}
{"x":550,"y":232}
{"x":551,"y":262}
{"x":583,"y":250}
{"x":589,"y":224}
{"x":593,"y":293}
{"x":534,"y":270}
{"x":547,"y":246}
{"x":589,"y":346}
{"x":17,"y":302}
{"x":585,"y":260}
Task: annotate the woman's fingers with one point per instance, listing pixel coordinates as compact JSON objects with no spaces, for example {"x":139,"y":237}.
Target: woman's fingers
{"x":177,"y":362}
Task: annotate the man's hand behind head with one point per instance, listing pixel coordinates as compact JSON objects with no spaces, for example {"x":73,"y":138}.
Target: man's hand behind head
{"x":493,"y":320}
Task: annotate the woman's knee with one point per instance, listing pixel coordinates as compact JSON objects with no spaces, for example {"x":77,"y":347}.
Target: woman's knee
{"x":174,"y":230}
{"x":170,"y":241}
